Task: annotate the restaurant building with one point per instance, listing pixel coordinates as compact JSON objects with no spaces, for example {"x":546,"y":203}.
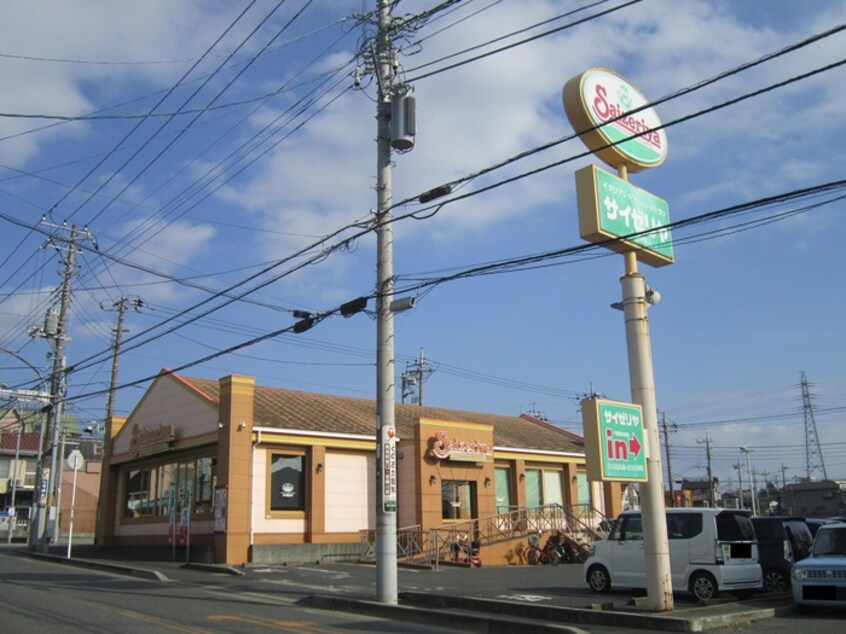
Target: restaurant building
{"x":230,"y":472}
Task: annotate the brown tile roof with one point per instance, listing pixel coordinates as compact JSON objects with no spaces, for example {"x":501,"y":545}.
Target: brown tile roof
{"x":310,"y":411}
{"x":9,"y":442}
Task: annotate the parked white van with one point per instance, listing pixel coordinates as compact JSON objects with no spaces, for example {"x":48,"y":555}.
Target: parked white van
{"x":711,"y":550}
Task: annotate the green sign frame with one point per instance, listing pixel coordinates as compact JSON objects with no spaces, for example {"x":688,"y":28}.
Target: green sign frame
{"x":614,"y":442}
{"x":612,"y":208}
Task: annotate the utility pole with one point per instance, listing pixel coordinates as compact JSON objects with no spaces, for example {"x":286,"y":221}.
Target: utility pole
{"x":55,"y":329}
{"x":120,"y":306}
{"x":386,"y":477}
{"x":752,"y":492}
{"x":669,"y":464}
{"x":414,"y":376}
{"x":739,"y":483}
{"x":711,"y":500}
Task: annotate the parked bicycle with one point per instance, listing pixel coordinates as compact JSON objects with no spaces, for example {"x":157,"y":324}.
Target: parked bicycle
{"x":549,"y":554}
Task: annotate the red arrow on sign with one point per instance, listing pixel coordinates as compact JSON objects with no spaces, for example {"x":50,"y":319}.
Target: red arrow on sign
{"x":634,"y":446}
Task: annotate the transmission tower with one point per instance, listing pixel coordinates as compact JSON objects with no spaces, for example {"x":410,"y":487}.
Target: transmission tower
{"x":813,"y":454}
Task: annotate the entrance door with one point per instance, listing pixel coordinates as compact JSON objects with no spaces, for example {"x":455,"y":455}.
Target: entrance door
{"x":458,"y":500}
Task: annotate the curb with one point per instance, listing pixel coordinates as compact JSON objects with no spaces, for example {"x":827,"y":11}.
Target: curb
{"x":700,"y":621}
{"x":469,"y":622}
{"x":217,"y":568}
{"x":143,"y":573}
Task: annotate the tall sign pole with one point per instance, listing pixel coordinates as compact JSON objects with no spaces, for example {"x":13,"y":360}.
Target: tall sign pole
{"x":614,"y":120}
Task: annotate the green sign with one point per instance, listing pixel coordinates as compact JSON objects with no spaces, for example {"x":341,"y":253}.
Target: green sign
{"x":610,"y":207}
{"x":614,"y":447}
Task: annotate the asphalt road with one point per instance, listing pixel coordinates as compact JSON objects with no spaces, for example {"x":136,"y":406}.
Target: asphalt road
{"x":40,"y":597}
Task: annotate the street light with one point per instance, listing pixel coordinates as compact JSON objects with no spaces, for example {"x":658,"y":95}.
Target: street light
{"x":754,"y":496}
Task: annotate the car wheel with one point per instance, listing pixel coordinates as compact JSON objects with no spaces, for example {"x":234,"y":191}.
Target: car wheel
{"x":598,"y":579}
{"x":775,"y":581}
{"x":703,"y":586}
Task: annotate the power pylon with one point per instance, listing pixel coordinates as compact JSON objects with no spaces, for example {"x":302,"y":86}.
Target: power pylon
{"x":813,"y":454}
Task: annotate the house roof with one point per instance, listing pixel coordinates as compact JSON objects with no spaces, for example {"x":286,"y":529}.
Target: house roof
{"x":9,"y":442}
{"x":310,"y":411}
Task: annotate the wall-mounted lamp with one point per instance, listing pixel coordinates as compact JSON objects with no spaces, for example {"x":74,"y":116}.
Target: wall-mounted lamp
{"x":575,"y":479}
{"x":242,"y":425}
{"x":432,"y":481}
{"x":522,"y":477}
{"x":487,"y":482}
{"x":319,"y":467}
{"x":221,"y":425}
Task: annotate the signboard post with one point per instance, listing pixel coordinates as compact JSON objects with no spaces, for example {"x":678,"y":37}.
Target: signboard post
{"x":616,"y":122}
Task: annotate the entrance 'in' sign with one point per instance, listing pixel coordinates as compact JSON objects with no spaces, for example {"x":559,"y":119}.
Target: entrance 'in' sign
{"x":614,"y":448}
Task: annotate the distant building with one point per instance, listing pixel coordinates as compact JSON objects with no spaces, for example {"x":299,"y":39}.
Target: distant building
{"x":699,"y":492}
{"x":813,"y":499}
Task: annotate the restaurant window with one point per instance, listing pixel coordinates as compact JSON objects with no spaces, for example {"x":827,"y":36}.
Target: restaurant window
{"x":151,"y":491}
{"x":457,"y":500}
{"x":543,"y":487}
{"x":502,"y":480}
{"x":583,"y":491}
{"x":534,"y":488}
{"x":287,"y":482}
{"x":138,"y":501}
{"x":205,"y":485}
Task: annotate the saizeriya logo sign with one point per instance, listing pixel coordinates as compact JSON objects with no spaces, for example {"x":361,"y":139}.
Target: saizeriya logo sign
{"x":614,"y":120}
{"x":468,"y":451}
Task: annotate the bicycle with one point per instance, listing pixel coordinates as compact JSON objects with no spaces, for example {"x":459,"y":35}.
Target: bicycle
{"x":537,"y":555}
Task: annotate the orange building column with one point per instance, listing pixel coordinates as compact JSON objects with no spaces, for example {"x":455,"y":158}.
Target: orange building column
{"x":316,"y":524}
{"x":613,"y":492}
{"x":235,"y":467}
{"x":107,"y":502}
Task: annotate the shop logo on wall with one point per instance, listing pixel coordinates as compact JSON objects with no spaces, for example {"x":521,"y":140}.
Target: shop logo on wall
{"x":460,"y":450}
{"x":145,"y":439}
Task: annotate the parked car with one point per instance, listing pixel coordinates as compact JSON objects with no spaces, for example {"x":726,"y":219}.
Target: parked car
{"x":711,"y":550}
{"x":814,"y":523}
{"x":782,"y":541}
{"x":820,"y":578}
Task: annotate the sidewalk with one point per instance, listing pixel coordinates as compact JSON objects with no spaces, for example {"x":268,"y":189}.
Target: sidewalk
{"x":491,"y":599}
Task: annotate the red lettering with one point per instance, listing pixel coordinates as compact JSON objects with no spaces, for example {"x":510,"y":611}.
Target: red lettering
{"x":600,"y":104}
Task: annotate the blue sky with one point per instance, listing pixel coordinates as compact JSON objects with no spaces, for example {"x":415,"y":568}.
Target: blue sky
{"x":274,"y":150}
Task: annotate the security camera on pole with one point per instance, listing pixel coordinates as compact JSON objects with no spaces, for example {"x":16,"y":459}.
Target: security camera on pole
{"x":616,"y":123}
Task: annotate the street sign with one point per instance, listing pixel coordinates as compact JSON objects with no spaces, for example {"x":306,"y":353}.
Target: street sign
{"x":610,"y":207}
{"x":75,"y":460}
{"x":614,"y":446}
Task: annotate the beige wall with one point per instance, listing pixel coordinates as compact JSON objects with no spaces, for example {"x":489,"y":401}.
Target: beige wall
{"x":350,"y":492}
{"x":170,"y":403}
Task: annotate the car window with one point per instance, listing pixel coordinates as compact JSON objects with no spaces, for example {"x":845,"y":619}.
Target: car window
{"x":763,"y":530}
{"x":733,"y":527}
{"x":683,"y":525}
{"x":830,"y":542}
{"x":799,"y":533}
{"x":633,"y":528}
{"x":676,"y":526}
{"x":616,"y":529}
